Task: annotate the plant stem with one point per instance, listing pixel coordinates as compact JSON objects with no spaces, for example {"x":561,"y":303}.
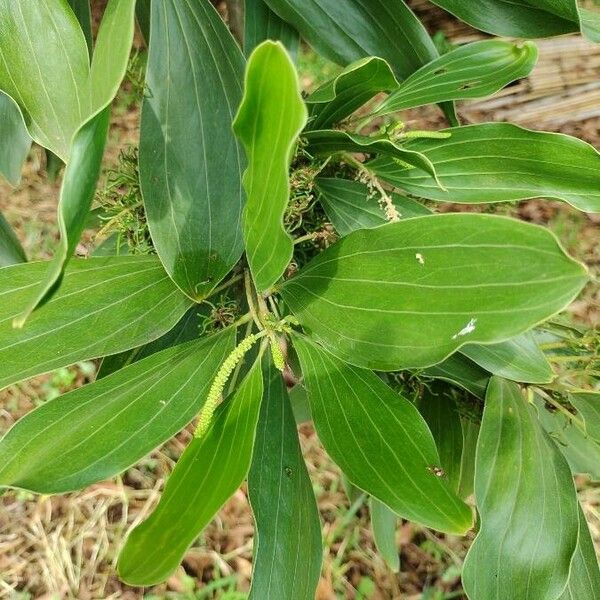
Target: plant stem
{"x":250,"y":300}
{"x":227,"y":284}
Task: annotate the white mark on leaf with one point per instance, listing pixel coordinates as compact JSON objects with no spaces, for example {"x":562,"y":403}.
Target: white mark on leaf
{"x":420,"y":258}
{"x":466,"y":330}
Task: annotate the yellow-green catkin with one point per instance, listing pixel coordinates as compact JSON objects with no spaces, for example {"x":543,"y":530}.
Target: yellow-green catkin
{"x":277,"y":354}
{"x":218,"y":385}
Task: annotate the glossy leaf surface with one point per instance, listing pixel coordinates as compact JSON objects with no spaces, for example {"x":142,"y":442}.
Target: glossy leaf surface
{"x":348,"y":91}
{"x":270,"y":118}
{"x":471,"y":71}
{"x":134,"y":303}
{"x":16,"y":142}
{"x":11,"y":251}
{"x":526,"y":500}
{"x":261,"y":23}
{"x":351,"y":206}
{"x":287,"y":545}
{"x":99,"y":430}
{"x":500,"y":162}
{"x":208,"y":473}
{"x":518,"y":359}
{"x":379,"y":440}
{"x":190,"y":163}
{"x":411,"y":293}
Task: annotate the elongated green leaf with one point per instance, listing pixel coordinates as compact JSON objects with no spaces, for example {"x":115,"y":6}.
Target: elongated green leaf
{"x":409,"y":294}
{"x":190,"y":163}
{"x":588,"y":406}
{"x":97,"y":431}
{"x":270,"y":118}
{"x":331,"y":141}
{"x":124,"y":301}
{"x":11,"y":251}
{"x":44,"y":67}
{"x":77,"y":192}
{"x":350,"y":205}
{"x":261,"y":23}
{"x":584,"y":581}
{"x":383,"y":526}
{"x":186,"y":330}
{"x":143,"y":10}
{"x":287,"y":548}
{"x":472,"y":71}
{"x":499,"y":162}
{"x":207,"y":474}
{"x":16,"y":142}
{"x":518,"y":359}
{"x":82,"y":11}
{"x":525,"y":18}
{"x":470,"y":429}
{"x":346,"y":93}
{"x":441,"y":415}
{"x":568,"y":431}
{"x":379,"y":440}
{"x":527,"y":504}
{"x":463,"y":372}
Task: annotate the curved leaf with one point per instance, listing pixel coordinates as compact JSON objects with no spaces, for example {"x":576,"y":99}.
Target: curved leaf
{"x":82,"y":11}
{"x":331,"y":141}
{"x":500,"y":162}
{"x":379,"y":440}
{"x":97,"y":431}
{"x":143,"y":9}
{"x":16,"y":142}
{"x":519,"y":359}
{"x":411,"y":293}
{"x":351,"y":89}
{"x":383,"y":526}
{"x":261,"y":23}
{"x":463,"y":372}
{"x":209,"y":471}
{"x":270,"y":118}
{"x":471,"y":71}
{"x":11,"y":251}
{"x":588,"y":406}
{"x":134,"y":302}
{"x":287,"y":548}
{"x":527,"y":503}
{"x":190,"y":163}
{"x":584,"y":580}
{"x":350,"y":205}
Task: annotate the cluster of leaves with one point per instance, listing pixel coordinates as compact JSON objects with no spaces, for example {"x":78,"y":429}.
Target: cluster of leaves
{"x":305,"y":244}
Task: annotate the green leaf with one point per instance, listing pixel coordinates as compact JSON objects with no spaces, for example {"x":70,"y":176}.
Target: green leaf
{"x":467,"y":466}
{"x":463,"y":372}
{"x":82,"y":11}
{"x":351,"y":89}
{"x":584,"y":581}
{"x":287,"y":546}
{"x":186,"y":330}
{"x":518,"y":359}
{"x":261,"y":23}
{"x":527,"y":503}
{"x":209,"y":471}
{"x":143,"y":9}
{"x":409,"y":294}
{"x":332,"y":141}
{"x":16,"y":142}
{"x":11,"y":251}
{"x":101,"y":429}
{"x":471,"y":71}
{"x":350,"y":205}
{"x":588,"y":406}
{"x":190,"y":163}
{"x":480,"y":163}
{"x":49,"y":80}
{"x":568,"y":432}
{"x":440,"y":412}
{"x":383,"y":526}
{"x":125,"y":301}
{"x":379,"y":440}
{"x":524,"y":18}
{"x":76,"y":195}
{"x":270,"y":118}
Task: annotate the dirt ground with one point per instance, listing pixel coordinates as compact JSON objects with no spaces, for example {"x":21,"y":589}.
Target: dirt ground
{"x":66,"y":547}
